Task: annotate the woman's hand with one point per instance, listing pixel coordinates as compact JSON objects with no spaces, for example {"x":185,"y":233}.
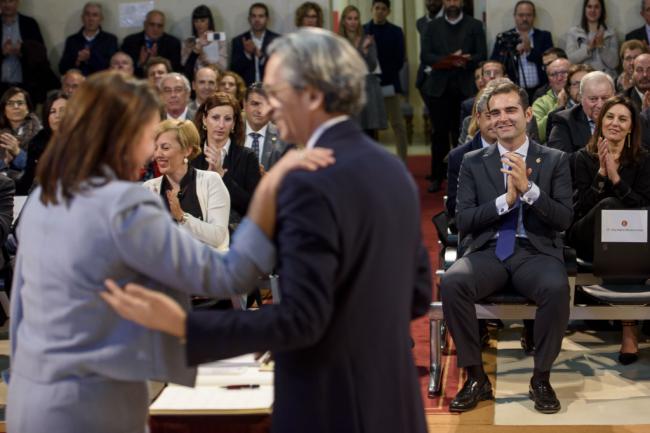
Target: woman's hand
{"x":213,"y":156}
{"x":603,"y":150}
{"x":151,"y":309}
{"x":611,"y":164}
{"x":10,"y":143}
{"x":174,"y":203}
{"x":262,"y":208}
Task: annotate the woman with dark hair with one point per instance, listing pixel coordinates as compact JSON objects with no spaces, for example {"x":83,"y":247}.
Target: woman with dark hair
{"x":18,"y":125}
{"x":592,"y":42}
{"x":309,"y":14}
{"x":72,"y":357}
{"x":232,"y":83}
{"x":611,"y":172}
{"x":219,"y":121}
{"x":206,"y":47}
{"x":53,"y":111}
{"x":373,"y":115}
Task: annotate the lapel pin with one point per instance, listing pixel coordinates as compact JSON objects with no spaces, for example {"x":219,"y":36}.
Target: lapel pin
{"x":538,"y":160}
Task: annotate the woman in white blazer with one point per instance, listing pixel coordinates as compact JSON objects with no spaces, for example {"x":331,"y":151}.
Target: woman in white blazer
{"x":76,"y":366}
{"x":592,"y":42}
{"x":198,"y":200}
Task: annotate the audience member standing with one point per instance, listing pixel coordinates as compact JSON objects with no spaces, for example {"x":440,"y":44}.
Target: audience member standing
{"x":523,"y":61}
{"x":373,"y":115}
{"x":449,"y":83}
{"x":592,"y":42}
{"x":23,"y":57}
{"x":91,"y":48}
{"x":391,"y":53}
{"x":152,"y":41}
{"x":434,"y":10}
{"x":205,"y":47}
{"x":248,"y":56}
{"x":643,"y":32}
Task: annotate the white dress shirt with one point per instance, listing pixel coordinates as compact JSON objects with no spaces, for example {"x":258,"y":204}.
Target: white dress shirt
{"x":249,"y":140}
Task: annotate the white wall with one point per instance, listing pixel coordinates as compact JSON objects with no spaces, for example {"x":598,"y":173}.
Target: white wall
{"x":558,"y":16}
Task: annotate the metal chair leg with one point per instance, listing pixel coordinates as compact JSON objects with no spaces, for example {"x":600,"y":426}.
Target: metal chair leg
{"x":444,"y":341}
{"x":435,"y":369}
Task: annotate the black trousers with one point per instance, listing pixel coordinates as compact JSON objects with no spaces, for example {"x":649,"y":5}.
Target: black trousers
{"x":581,"y":234}
{"x":539,"y":277}
{"x":443,"y":112}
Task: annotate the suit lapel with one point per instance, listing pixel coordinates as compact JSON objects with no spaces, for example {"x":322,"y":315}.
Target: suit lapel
{"x":533,"y":161}
{"x":492,"y":162}
{"x":269,"y":143}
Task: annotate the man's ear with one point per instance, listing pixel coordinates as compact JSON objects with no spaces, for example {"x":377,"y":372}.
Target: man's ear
{"x":315,"y":98}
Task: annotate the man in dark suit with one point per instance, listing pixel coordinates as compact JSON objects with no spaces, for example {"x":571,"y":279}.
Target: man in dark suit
{"x":261,"y":135}
{"x":91,"y":48}
{"x":351,"y":278}
{"x":451,"y":81}
{"x":434,"y":10}
{"x":151,"y":42}
{"x":514,"y":199}
{"x":639,"y":93}
{"x":485,"y":137}
{"x":643,"y":32}
{"x":524,"y":62}
{"x":248,"y":57}
{"x":23,"y":56}
{"x":571,"y":129}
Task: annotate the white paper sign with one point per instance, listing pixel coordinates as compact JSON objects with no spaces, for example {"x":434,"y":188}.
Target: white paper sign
{"x":628,"y":226}
{"x":133,"y":14}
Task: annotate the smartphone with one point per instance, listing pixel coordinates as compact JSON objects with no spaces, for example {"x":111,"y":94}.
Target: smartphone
{"x":216,"y":36}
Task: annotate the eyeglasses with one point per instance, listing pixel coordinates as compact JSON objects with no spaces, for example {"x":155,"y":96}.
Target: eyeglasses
{"x":272,"y":91}
{"x":157,"y":25}
{"x":574,"y":83}
{"x":16,"y":104}
{"x":558,"y":74}
{"x":172,"y":90}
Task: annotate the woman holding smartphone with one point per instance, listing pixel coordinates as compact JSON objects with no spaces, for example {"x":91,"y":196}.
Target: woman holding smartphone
{"x":206,"y":47}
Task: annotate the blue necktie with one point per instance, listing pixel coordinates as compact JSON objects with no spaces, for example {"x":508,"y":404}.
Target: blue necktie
{"x":507,"y":233}
{"x":256,"y":143}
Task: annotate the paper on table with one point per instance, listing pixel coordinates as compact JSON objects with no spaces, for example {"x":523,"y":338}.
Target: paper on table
{"x":181,"y":400}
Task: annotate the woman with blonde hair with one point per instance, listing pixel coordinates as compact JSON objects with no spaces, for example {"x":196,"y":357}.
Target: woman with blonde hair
{"x":197,"y":200}
{"x":373,"y":115}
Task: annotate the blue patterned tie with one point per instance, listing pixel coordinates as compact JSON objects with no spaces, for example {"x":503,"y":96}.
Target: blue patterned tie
{"x":256,"y":143}
{"x":507,"y":233}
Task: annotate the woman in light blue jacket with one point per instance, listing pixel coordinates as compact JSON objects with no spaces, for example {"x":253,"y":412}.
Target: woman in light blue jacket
{"x":75,"y":365}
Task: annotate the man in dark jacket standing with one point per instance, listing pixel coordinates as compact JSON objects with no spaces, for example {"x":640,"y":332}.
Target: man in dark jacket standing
{"x":453,"y":46}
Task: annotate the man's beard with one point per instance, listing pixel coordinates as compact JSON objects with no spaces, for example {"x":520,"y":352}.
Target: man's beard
{"x":452,"y":11}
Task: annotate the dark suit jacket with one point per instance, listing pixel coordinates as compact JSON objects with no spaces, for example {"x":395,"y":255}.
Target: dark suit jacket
{"x":639,"y":34}
{"x":272,"y":148}
{"x":350,"y":281}
{"x":570,"y":131}
{"x":6,"y":212}
{"x":481,"y":182}
{"x":38,"y":76}
{"x":466,"y":108}
{"x":169,"y":47}
{"x":454,"y":160}
{"x":241,"y":178}
{"x":35,"y":150}
{"x":636,"y":99}
{"x":542,"y":41}
{"x":435,"y":47}
{"x":421,"y":25}
{"x":101,"y":49}
{"x":242,"y":64}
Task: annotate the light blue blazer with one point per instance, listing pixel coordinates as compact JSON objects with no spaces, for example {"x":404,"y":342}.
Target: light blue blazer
{"x":61,"y":328}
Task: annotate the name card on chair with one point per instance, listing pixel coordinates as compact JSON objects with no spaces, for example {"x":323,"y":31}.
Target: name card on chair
{"x":625,"y":226}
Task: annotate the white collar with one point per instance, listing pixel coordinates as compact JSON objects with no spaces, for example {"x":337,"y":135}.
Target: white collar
{"x":484,"y":143}
{"x":183,"y":115}
{"x":262,"y":130}
{"x":521,"y":151}
{"x":456,"y":21}
{"x":324,"y":127}
{"x":261,"y":38}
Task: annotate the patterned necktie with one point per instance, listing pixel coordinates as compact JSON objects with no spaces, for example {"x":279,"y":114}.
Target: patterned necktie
{"x":507,"y":233}
{"x":256,"y":143}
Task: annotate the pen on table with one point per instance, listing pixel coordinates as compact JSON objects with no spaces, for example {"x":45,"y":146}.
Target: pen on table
{"x":241,"y":386}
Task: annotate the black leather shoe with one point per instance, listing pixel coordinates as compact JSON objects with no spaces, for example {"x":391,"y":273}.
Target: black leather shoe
{"x":542,"y":394}
{"x":628,"y":358}
{"x":528,"y":341}
{"x":473,"y":391}
{"x":434,"y":186}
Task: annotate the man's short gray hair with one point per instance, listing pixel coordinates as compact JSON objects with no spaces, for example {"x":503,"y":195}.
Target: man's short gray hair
{"x":94,"y":5}
{"x":481,"y":104}
{"x":183,"y":78}
{"x":596,"y":76}
{"x":327,"y":62}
